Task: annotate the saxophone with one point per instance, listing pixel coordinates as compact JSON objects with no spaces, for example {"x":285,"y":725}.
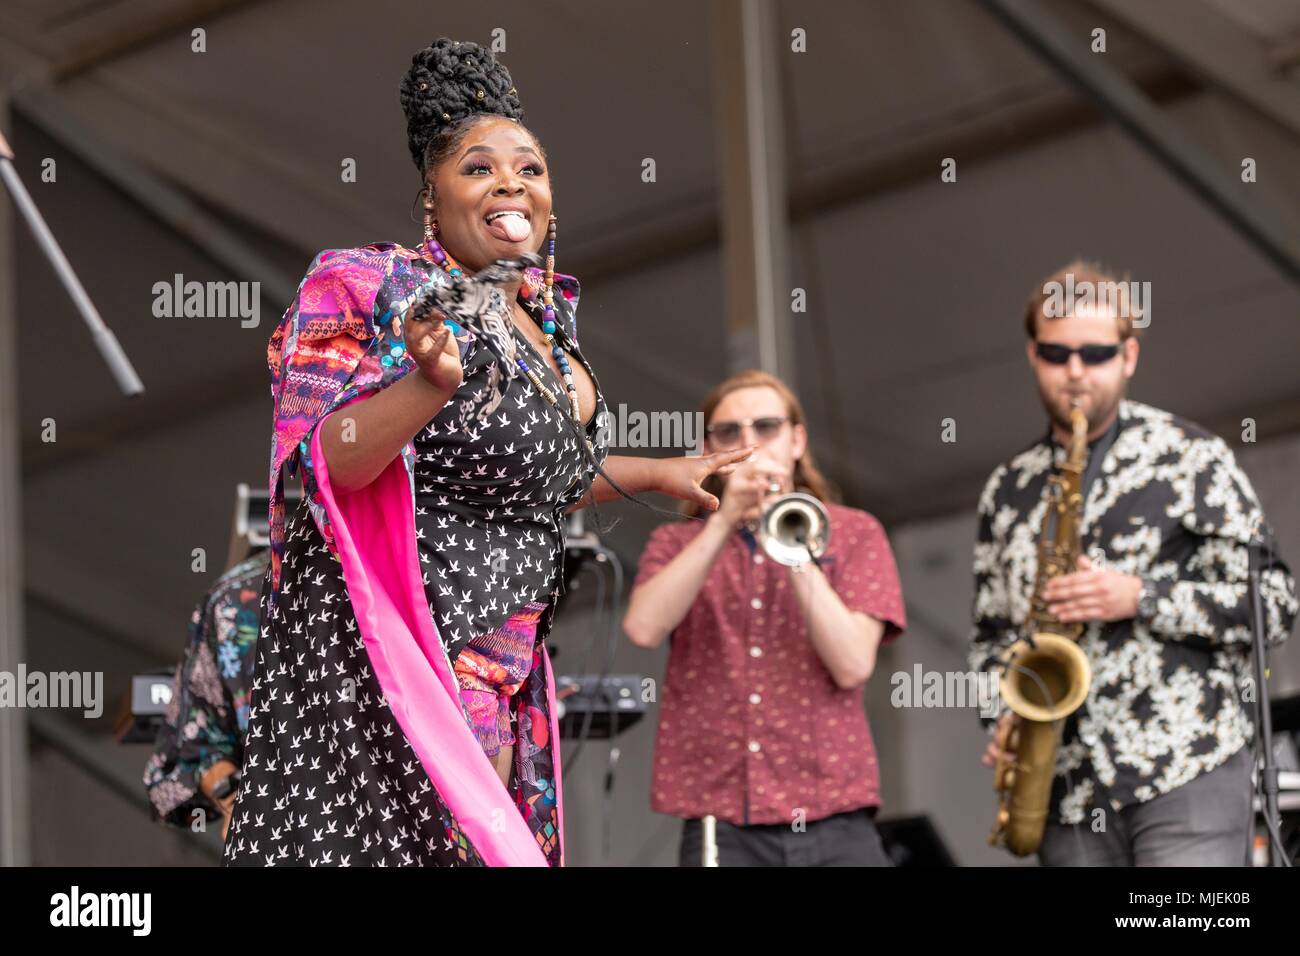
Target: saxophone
{"x":1047,"y":675}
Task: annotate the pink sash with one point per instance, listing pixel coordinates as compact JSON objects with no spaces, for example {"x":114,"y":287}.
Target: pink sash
{"x":374,"y":529}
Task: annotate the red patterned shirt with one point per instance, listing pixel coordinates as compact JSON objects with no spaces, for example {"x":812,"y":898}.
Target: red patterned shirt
{"x":752,"y":728}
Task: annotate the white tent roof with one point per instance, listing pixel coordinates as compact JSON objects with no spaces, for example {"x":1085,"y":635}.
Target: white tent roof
{"x":226,"y":165}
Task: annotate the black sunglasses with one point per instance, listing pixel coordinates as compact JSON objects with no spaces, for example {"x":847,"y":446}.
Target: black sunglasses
{"x":1088,"y":354}
{"x":728,"y":433}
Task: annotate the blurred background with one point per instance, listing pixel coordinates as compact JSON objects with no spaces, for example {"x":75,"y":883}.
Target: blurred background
{"x":773,"y":169}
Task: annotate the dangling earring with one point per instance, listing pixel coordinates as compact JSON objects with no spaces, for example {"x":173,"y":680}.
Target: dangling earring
{"x":430,"y":224}
{"x":434,"y":248}
{"x":548,"y":323}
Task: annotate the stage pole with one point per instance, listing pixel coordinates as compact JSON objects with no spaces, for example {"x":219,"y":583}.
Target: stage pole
{"x":752,"y":186}
{"x":15,"y":817}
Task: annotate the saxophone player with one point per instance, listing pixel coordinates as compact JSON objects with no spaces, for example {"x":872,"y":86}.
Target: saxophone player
{"x":761,"y":725}
{"x":1155,"y":767}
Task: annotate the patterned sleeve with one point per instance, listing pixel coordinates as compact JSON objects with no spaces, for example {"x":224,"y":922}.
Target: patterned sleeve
{"x":340,"y":339}
{"x":199,"y":729}
{"x":867,"y":582}
{"x":993,"y":632}
{"x":1209,"y":597}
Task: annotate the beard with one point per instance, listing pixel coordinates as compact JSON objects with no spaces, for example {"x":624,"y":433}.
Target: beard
{"x":1099,"y":404}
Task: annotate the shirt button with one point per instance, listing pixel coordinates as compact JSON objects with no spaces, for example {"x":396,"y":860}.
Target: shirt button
{"x":755,"y":651}
{"x":758,"y":559}
{"x":754,"y":747}
{"x":756,"y":604}
{"x":755,"y":698}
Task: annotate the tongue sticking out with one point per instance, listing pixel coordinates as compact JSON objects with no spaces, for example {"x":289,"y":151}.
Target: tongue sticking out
{"x":510,"y":228}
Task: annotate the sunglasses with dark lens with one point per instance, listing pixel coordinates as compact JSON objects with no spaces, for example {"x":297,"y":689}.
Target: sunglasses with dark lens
{"x":726,"y":434}
{"x":1088,"y":354}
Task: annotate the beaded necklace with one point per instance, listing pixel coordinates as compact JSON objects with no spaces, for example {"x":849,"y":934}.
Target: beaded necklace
{"x":448,"y":265}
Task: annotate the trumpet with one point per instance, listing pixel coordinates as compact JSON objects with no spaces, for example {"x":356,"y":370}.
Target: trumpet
{"x":794,"y":529}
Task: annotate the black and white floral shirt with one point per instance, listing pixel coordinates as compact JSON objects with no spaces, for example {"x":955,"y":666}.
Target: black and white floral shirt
{"x":1168,"y":695}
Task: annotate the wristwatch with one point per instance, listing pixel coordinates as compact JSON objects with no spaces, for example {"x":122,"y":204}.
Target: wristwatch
{"x":225,"y":786}
{"x":1147,"y":598}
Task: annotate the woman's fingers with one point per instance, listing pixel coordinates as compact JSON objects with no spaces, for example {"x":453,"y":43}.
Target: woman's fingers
{"x":725,"y":462}
{"x":435,"y":340}
{"x":702,"y":498}
{"x":735,"y":456}
{"x":426,"y":346}
{"x":430,"y":324}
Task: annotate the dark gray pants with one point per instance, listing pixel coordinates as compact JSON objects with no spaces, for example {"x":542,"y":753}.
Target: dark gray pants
{"x":1208,"y":821}
{"x":845,"y":839}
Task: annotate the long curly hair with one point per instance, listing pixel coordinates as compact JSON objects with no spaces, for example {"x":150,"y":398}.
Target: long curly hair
{"x":807,"y":476}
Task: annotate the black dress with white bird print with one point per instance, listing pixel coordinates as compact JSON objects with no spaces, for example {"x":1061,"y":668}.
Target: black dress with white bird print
{"x":330,"y":779}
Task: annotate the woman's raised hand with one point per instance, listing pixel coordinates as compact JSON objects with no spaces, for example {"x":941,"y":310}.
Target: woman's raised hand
{"x":475,"y":302}
{"x":433,"y":348}
{"x":681,"y":477}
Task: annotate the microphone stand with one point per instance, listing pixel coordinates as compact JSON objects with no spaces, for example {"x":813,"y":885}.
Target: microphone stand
{"x":709,"y":841}
{"x":111,"y":350}
{"x":1268,"y":779}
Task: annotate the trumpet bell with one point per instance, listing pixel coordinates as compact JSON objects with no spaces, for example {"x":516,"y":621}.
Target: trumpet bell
{"x":794,"y":529}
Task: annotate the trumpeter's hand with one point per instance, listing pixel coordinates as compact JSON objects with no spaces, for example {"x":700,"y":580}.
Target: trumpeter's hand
{"x":748,"y":489}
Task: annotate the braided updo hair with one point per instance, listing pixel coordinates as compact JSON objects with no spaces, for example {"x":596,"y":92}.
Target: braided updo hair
{"x":451,"y":84}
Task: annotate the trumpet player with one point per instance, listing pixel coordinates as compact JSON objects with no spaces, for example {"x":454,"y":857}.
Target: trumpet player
{"x":761,"y":725}
{"x":1154,"y":767}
